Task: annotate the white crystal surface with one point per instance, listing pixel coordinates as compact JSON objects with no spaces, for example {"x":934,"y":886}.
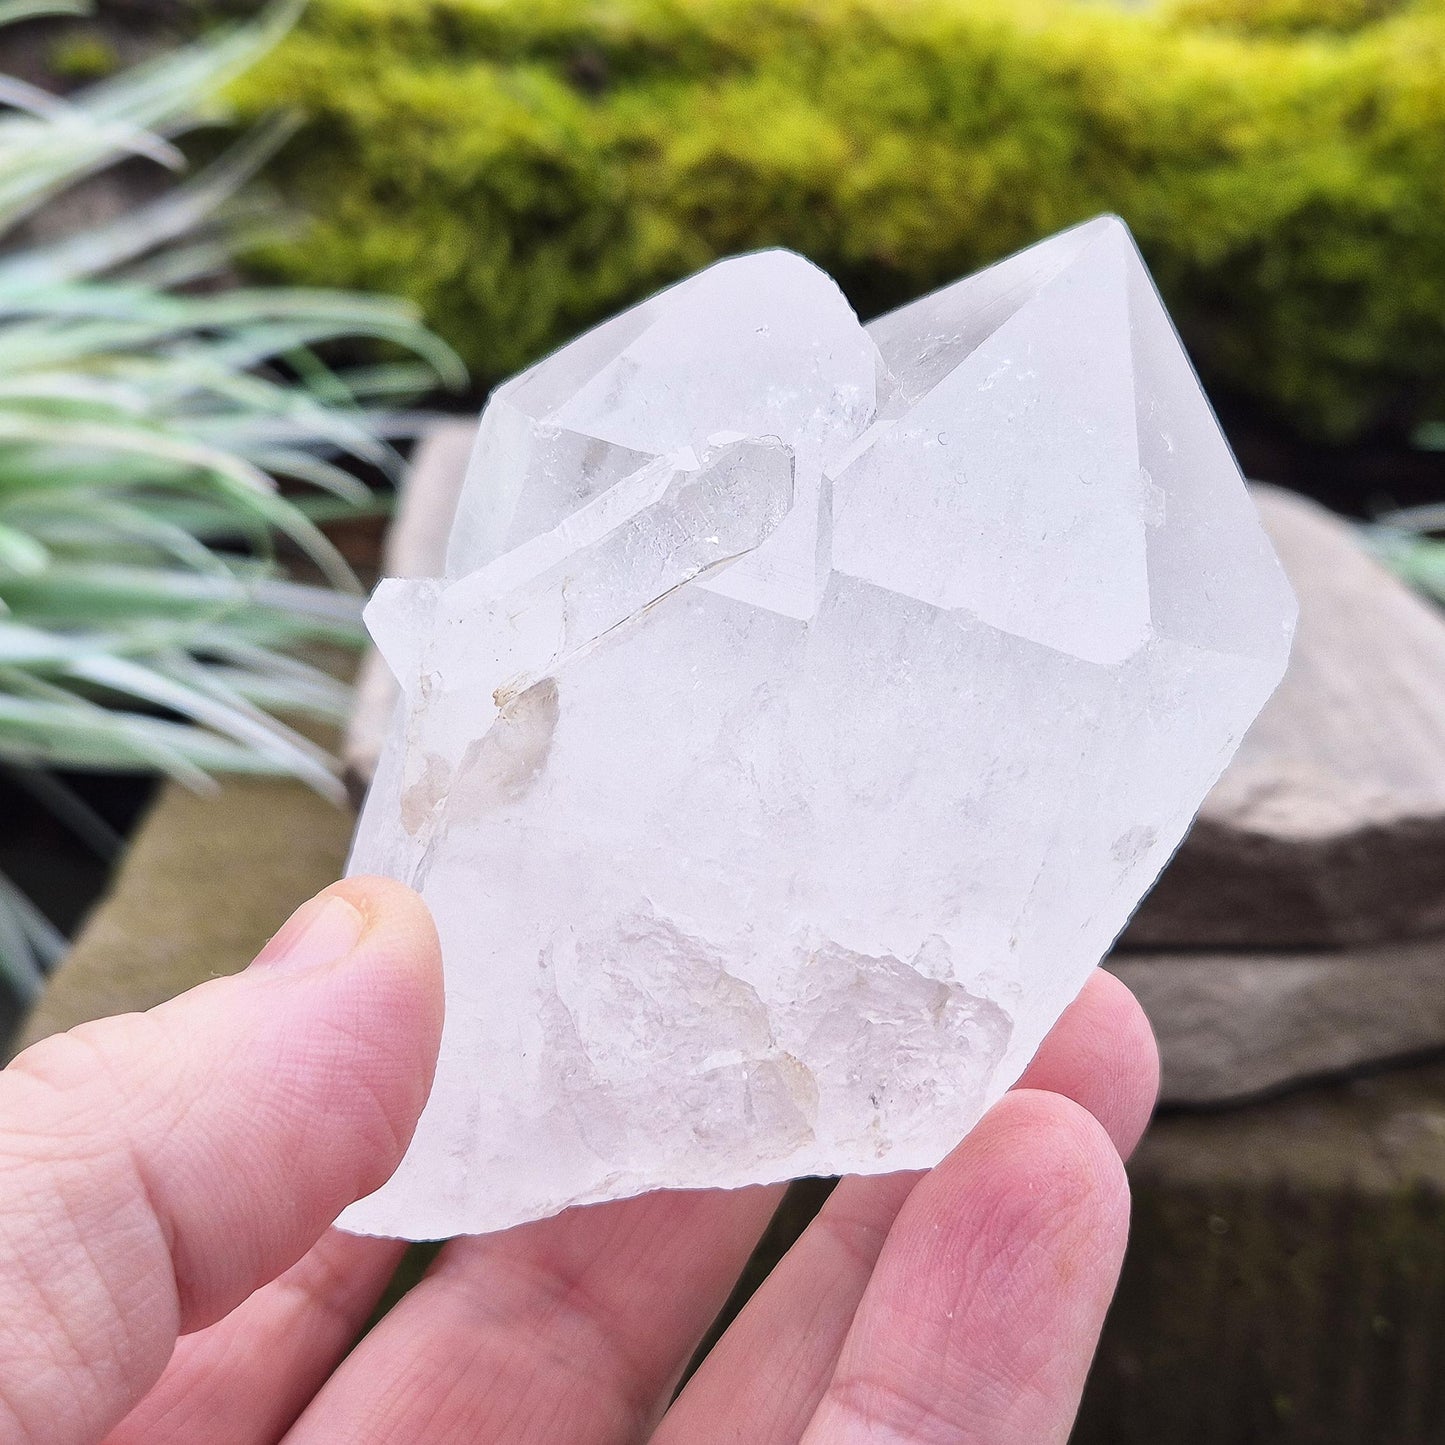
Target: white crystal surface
{"x":803,"y":712}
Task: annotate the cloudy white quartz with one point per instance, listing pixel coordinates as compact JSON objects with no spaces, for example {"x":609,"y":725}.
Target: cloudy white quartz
{"x":804,"y":710}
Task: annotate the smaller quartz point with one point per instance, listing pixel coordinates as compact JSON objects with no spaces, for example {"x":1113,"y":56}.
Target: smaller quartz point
{"x":803,"y":712}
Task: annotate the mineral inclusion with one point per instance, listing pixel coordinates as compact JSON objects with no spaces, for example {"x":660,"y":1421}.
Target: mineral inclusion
{"x":803,"y":711}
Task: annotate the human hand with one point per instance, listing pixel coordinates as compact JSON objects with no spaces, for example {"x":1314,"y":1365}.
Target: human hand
{"x":167,"y":1274}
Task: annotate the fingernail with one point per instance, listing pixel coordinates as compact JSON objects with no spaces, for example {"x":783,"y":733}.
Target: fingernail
{"x":318,"y":933}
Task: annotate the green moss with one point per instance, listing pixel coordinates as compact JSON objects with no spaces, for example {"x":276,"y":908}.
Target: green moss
{"x":1291,"y":1315}
{"x":1289,"y":17}
{"x":522,"y":170}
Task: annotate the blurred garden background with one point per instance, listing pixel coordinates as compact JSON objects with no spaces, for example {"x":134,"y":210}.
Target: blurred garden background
{"x":250,"y":253}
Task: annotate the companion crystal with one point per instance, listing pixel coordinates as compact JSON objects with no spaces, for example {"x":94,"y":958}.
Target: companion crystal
{"x":803,"y":711}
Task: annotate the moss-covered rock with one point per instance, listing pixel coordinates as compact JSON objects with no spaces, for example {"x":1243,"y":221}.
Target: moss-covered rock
{"x":522,"y":169}
{"x":1285,"y":1281}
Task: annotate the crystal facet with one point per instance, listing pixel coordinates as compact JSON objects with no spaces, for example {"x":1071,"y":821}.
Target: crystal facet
{"x":804,"y":710}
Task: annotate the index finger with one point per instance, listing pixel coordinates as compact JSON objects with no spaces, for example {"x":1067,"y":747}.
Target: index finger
{"x":982,"y":1315}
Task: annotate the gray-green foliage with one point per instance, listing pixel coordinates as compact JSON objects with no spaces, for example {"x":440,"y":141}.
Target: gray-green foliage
{"x":1412,"y":543}
{"x":145,"y":419}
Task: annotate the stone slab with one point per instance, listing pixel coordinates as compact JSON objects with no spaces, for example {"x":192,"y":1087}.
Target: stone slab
{"x":1285,"y":1281}
{"x":204,"y":884}
{"x":1235,"y":1026}
{"x":1328,"y":828}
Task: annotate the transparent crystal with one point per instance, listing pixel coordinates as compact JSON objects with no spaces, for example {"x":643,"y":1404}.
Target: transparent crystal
{"x":803,"y":712}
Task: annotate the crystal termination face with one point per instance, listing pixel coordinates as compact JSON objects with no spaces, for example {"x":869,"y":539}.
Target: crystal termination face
{"x":804,"y":710}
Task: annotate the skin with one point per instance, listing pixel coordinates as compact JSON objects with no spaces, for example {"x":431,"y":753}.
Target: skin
{"x":168,"y":1274}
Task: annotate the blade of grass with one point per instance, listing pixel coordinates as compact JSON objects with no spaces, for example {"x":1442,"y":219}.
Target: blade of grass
{"x":28,"y":941}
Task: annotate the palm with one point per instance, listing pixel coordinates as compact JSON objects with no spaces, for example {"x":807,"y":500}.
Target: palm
{"x":963,"y":1304}
{"x":960,"y":1307}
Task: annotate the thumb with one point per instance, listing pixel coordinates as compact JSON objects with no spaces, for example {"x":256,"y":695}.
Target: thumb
{"x":156,"y":1168}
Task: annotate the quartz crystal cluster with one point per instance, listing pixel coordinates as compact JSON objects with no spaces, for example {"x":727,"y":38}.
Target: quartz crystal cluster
{"x":803,"y":711}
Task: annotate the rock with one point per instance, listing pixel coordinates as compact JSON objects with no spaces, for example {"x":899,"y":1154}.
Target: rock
{"x":1285,"y":1275}
{"x":1231,"y":1026}
{"x":204,"y":884}
{"x":1307,"y":905}
{"x":1329,"y":826}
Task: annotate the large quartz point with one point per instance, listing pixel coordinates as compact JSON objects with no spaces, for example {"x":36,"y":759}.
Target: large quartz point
{"x":804,"y":710}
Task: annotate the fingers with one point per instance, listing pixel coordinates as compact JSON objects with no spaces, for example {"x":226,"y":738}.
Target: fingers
{"x":764,"y":1378}
{"x":156,"y":1169}
{"x":770,"y":1369}
{"x":573,"y":1328}
{"x":245,"y":1379}
{"x":1102,"y":1054}
{"x":986,"y":1303}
